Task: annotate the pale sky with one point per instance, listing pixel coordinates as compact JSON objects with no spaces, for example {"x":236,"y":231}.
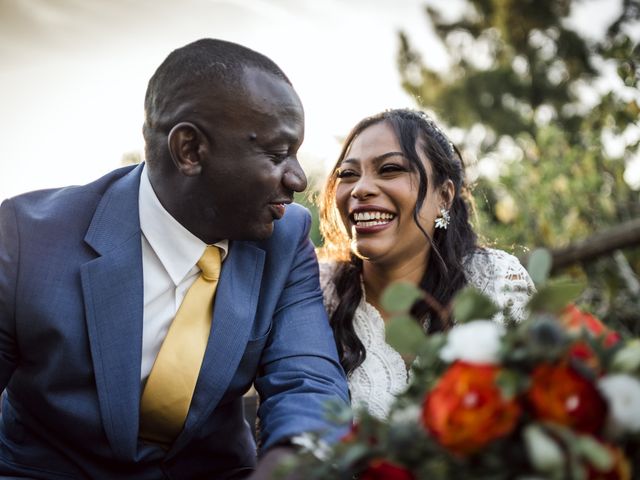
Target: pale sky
{"x":74,"y":72}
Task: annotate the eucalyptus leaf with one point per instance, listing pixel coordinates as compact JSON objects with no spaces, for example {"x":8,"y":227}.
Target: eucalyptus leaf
{"x":596,"y":454}
{"x":399,"y":297}
{"x":405,"y":335}
{"x":539,"y":265}
{"x":555,"y":295}
{"x":511,"y":383}
{"x":627,"y":359}
{"x":545,"y":454}
{"x":353,"y":455}
{"x":470,"y":304}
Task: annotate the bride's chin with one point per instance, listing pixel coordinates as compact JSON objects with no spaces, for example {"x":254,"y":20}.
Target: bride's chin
{"x":363,"y":253}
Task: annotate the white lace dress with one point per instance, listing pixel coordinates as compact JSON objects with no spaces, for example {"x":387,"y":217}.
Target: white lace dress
{"x":383,"y":374}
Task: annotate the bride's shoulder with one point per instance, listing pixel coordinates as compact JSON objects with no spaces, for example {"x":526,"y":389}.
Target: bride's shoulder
{"x":501,"y":276}
{"x":327,"y":270}
{"x":492,"y":260}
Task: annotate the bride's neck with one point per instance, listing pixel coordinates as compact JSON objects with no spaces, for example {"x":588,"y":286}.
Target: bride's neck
{"x":377,"y":277}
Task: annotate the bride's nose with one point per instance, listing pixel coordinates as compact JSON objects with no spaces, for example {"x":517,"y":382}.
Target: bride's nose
{"x":365,"y":187}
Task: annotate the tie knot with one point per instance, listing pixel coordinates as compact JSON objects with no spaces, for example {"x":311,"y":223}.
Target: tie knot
{"x":209,"y":263}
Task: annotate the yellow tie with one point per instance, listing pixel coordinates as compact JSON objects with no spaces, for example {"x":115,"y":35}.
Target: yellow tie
{"x":169,"y":389}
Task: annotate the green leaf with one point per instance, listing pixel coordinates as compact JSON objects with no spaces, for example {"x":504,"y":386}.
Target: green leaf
{"x":405,"y":335}
{"x":539,"y":265}
{"x":399,"y":297}
{"x":470,"y":304}
{"x":544,"y":453}
{"x":595,"y":453}
{"x":627,"y":359}
{"x":353,"y":455}
{"x":511,"y":383}
{"x":555,"y":295}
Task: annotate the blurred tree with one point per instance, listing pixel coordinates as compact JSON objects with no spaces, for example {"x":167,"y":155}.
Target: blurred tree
{"x":555,"y":113}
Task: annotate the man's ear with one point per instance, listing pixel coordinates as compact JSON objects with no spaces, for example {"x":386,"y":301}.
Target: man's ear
{"x":185,"y":145}
{"x":447,"y":193}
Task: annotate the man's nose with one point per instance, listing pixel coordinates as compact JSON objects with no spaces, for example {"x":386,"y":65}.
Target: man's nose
{"x":294,"y":177}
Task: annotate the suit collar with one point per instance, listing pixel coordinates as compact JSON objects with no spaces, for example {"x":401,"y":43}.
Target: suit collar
{"x":113,"y":292}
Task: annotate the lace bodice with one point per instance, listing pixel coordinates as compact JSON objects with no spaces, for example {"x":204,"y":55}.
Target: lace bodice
{"x":383,"y":374}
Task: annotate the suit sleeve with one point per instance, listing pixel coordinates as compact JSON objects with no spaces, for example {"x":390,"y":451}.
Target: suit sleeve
{"x":9,"y":252}
{"x":300,"y":371}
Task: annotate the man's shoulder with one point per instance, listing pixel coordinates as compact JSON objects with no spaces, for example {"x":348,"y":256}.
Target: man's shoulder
{"x":41,"y":202}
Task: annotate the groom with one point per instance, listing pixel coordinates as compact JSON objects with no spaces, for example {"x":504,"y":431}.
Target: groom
{"x":135,"y":311}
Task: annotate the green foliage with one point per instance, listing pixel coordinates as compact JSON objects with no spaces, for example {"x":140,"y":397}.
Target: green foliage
{"x":539,"y":265}
{"x":536,"y":444}
{"x":400,"y":296}
{"x":405,"y":335}
{"x":308,"y":200}
{"x":555,"y":295}
{"x":470,"y":304}
{"x":525,"y":92}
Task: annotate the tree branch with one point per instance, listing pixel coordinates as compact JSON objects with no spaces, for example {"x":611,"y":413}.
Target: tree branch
{"x":601,"y":243}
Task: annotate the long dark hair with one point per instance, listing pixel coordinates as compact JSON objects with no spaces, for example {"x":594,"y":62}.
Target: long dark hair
{"x":444,"y":273}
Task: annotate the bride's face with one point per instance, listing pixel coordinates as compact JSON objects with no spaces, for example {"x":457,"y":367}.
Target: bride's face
{"x":376,"y":195}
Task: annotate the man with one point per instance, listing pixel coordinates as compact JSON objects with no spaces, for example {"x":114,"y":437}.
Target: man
{"x":101,"y":286}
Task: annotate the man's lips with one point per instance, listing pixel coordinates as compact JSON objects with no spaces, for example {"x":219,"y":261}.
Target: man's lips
{"x":278,"y":208}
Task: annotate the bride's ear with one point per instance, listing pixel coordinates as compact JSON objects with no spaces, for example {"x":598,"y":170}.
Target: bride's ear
{"x":447,"y":193}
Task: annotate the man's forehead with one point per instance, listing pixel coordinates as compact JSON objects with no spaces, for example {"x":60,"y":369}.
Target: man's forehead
{"x":263,"y":85}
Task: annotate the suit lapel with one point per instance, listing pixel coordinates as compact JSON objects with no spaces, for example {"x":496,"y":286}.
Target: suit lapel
{"x":113,"y":291}
{"x":233,"y":316}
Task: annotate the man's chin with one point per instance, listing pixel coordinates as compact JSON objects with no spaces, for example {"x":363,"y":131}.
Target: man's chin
{"x":259,"y":233}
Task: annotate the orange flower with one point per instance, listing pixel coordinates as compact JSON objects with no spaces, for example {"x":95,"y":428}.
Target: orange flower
{"x":466,"y":410}
{"x":559,"y":394}
{"x":383,"y":470}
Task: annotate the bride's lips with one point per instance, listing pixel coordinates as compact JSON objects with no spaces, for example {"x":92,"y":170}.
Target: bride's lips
{"x":369,"y":219}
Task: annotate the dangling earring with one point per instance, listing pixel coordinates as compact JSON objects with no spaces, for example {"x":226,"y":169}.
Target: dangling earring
{"x":443,"y":220}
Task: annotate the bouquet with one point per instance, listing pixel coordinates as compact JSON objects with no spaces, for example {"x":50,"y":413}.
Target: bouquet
{"x":556,"y":396}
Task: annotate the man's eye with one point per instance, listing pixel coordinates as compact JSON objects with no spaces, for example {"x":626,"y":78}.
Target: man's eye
{"x":278,"y":157}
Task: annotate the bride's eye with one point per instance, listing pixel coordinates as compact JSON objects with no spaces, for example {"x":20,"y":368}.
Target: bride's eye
{"x":392,"y":168}
{"x":346,"y":173}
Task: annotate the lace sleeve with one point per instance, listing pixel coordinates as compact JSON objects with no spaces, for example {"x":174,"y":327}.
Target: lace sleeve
{"x":502,"y":278}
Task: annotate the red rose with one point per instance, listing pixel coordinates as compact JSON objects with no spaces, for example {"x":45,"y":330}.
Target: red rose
{"x":466,"y":410}
{"x":384,"y":470}
{"x":575,"y":320}
{"x":558,"y":393}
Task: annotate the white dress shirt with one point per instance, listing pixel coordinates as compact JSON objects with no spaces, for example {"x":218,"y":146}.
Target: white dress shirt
{"x":169,"y":256}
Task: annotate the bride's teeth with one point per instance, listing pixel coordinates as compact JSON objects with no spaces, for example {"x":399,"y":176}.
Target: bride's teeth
{"x":372,"y":218}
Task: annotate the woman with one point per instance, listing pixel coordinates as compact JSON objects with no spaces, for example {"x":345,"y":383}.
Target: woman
{"x":393,"y":209}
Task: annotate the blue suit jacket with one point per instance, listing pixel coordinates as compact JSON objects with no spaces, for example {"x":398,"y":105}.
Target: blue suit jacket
{"x":71,"y":302}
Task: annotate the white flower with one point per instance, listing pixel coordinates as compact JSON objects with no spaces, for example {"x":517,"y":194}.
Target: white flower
{"x":410,"y":415}
{"x":473,"y":342}
{"x":308,"y":443}
{"x":622,"y":393}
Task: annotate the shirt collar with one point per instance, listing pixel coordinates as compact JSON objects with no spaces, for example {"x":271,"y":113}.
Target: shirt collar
{"x":176,"y":247}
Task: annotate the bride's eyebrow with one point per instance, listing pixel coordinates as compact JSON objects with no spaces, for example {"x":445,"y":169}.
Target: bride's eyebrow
{"x":379,"y":158}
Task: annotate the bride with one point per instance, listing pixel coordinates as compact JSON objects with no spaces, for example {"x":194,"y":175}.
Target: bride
{"x":394,"y":209}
